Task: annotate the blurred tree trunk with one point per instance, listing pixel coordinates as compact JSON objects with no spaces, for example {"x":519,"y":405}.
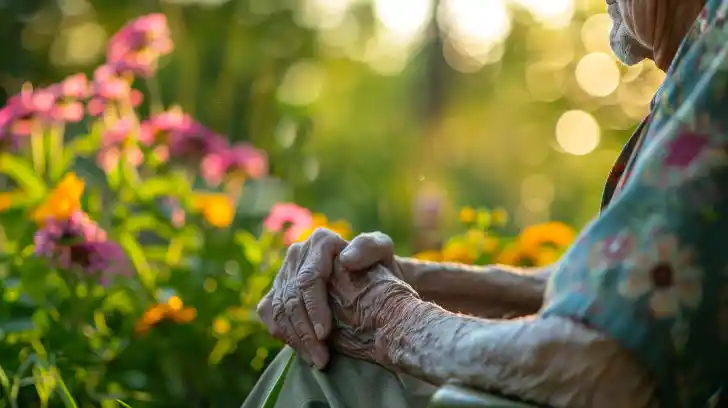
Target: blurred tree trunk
{"x":431,"y":96}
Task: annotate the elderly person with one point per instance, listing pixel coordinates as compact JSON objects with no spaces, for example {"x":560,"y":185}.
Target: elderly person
{"x":634,"y":315}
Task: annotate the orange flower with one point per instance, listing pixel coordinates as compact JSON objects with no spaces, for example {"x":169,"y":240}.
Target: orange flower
{"x":431,"y":256}
{"x":318,"y":220}
{"x":6,"y":200}
{"x":217,"y":209}
{"x":555,"y":234}
{"x":468,"y":215}
{"x":173,"y":310}
{"x":517,"y":255}
{"x":62,"y":201}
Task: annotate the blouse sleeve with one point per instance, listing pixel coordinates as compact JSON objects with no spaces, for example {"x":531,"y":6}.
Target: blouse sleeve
{"x":652,"y":269}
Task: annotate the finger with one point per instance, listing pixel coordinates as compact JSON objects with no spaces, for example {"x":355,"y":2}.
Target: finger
{"x":265,"y":312}
{"x":286,"y":330}
{"x":367,"y":250}
{"x":292,"y":339}
{"x":313,"y":277}
{"x":305,"y":333}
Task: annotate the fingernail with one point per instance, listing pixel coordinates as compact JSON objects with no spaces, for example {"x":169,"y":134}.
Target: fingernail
{"x":318,"y":361}
{"x":345,"y":253}
{"x":320,"y":332}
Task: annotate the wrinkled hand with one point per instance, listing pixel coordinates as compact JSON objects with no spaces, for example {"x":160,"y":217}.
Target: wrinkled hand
{"x":363,"y":304}
{"x":296,"y":310}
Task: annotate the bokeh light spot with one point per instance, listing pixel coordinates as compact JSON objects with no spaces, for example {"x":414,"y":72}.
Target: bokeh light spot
{"x":577,"y":132}
{"x":301,"y":84}
{"x":595,"y":33}
{"x":597,"y":74}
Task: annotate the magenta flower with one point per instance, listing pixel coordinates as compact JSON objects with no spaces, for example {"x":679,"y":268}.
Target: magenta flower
{"x":137,"y":46}
{"x":80,"y":245}
{"x":249,"y":160}
{"x":175,"y":135}
{"x":240,"y":159}
{"x":195,"y":142}
{"x":114,"y":146}
{"x":109,"y":89}
{"x":159,"y":128}
{"x":288,"y":217}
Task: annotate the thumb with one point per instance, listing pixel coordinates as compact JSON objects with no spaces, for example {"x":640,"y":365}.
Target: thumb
{"x":367,"y":250}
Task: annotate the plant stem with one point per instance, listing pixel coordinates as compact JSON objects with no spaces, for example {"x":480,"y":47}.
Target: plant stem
{"x":37,"y":148}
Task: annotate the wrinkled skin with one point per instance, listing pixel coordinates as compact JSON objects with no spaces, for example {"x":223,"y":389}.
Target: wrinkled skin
{"x":650,"y":29}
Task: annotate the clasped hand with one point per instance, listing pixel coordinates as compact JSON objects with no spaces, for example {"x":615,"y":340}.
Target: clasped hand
{"x":332,"y":291}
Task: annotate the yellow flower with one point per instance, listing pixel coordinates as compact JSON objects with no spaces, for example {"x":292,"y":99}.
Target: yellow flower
{"x":431,"y":256}
{"x":499,"y":217}
{"x":217,"y":209}
{"x":458,"y":252}
{"x":340,"y":227}
{"x":62,"y":201}
{"x":221,"y":325}
{"x":490,"y":244}
{"x":467,"y":215}
{"x":174,"y":310}
{"x":555,"y":234}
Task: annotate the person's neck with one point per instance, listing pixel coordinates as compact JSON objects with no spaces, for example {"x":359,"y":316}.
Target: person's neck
{"x":668,"y":37}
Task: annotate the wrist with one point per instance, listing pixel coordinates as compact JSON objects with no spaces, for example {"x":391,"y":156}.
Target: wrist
{"x":402,"y":317}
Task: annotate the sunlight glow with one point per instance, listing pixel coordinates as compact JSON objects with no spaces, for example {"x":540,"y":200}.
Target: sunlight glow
{"x":550,"y":13}
{"x":404,"y":20}
{"x":577,"y":132}
{"x":475,"y":28}
{"x":322,"y":14}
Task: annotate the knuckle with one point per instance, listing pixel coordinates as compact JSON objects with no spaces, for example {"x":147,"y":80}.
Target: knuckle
{"x":291,"y":304}
{"x":381,"y":239}
{"x":322,"y":234}
{"x":293,"y":251}
{"x":307,"y":276}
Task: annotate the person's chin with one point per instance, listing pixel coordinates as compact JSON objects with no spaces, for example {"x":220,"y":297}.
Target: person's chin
{"x":629,"y":52}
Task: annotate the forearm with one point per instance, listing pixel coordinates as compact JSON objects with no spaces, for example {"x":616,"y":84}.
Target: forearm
{"x":485,"y":291}
{"x":551,"y":361}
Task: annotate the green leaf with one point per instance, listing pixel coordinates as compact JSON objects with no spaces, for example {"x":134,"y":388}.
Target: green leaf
{"x":21,"y":170}
{"x":251,"y":247}
{"x":123,"y":404}
{"x":161,"y":187}
{"x":66,"y":396}
{"x":272,"y":398}
{"x":145,"y":222}
{"x":138,"y":259}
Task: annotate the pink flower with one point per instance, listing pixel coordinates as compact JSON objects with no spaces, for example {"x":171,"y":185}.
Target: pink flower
{"x":158,"y":128}
{"x":292,"y":218}
{"x":214,"y":167}
{"x":79,"y":244}
{"x":253,"y":162}
{"x":137,"y":46}
{"x":109,"y":88}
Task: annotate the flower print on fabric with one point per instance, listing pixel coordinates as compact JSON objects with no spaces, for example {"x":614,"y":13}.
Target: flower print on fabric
{"x":611,"y":251}
{"x":665,"y":272}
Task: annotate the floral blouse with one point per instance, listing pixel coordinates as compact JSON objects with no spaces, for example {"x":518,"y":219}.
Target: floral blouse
{"x":652,"y":269}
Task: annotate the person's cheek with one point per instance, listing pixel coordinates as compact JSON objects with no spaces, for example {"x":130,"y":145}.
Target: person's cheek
{"x":644,"y":19}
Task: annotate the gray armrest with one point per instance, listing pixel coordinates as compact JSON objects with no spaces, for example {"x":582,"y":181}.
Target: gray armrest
{"x":453,"y":395}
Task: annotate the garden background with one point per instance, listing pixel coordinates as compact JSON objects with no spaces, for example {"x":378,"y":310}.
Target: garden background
{"x":146,"y":204}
